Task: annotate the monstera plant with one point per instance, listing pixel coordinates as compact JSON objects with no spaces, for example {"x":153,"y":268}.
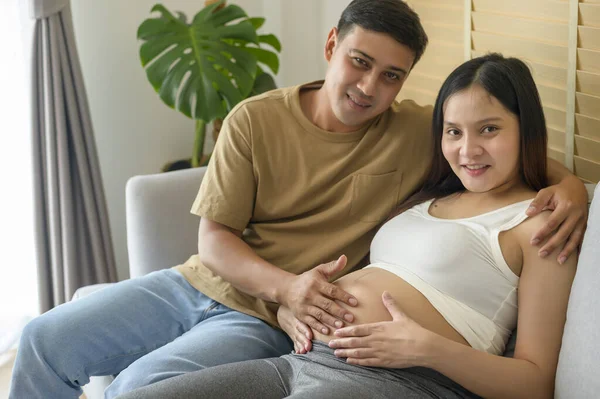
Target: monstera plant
{"x":205,"y":67}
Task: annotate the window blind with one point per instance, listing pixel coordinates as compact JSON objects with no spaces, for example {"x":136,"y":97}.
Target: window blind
{"x":558,"y":39}
{"x":443,"y":22}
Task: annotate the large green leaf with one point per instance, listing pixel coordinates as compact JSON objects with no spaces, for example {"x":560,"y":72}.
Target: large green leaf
{"x":266,"y":57}
{"x":204,"y":68}
{"x":257,"y":22}
{"x":263,"y":83}
{"x":271,"y":40}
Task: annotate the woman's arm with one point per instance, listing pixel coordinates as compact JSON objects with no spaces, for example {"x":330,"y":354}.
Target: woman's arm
{"x":544,"y":289}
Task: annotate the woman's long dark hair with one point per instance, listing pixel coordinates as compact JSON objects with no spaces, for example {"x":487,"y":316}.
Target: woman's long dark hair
{"x":510,"y":82}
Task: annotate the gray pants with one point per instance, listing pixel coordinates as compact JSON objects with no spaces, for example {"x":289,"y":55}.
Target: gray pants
{"x":317,"y":374}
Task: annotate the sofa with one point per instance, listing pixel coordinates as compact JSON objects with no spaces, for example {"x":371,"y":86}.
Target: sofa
{"x":161,"y":233}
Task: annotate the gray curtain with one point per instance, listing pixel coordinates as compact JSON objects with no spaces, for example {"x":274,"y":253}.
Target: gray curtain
{"x":73,"y":239}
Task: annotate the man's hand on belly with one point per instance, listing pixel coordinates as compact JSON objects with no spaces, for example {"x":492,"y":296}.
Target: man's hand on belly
{"x":311,"y":297}
{"x":298,"y":331}
{"x":399,"y":343}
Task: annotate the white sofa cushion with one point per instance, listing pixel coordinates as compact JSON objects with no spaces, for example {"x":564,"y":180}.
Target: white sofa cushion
{"x":579,"y":363}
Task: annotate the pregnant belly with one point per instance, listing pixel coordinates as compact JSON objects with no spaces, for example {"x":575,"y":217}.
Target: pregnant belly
{"x":367,"y":285}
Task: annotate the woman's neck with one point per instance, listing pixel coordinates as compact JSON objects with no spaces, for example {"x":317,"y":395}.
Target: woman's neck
{"x":468,"y":203}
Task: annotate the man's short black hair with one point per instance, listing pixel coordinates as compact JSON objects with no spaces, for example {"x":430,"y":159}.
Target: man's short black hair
{"x":392,"y":17}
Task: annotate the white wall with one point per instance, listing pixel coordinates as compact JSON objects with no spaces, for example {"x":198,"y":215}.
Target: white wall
{"x":18,"y":285}
{"x":135,"y":132}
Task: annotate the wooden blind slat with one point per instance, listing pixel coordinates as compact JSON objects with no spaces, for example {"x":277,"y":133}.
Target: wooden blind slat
{"x":587,"y":169}
{"x":588,"y":83}
{"x":558,"y":155}
{"x":527,"y":28}
{"x":432,"y":13}
{"x":433,"y":66}
{"x":584,"y":147}
{"x":589,"y":38}
{"x":427,"y":83}
{"x":452,"y":53}
{"x":444,"y":32}
{"x":419,"y":96}
{"x":589,"y":15}
{"x":556,"y":139}
{"x":436,"y":3}
{"x":587,"y":126}
{"x":589,"y":60}
{"x":556,"y":119}
{"x":587,"y":148}
{"x":534,"y":51}
{"x":548,"y":75}
{"x":538,"y":9}
{"x":553,"y":97}
{"x":588,"y":105}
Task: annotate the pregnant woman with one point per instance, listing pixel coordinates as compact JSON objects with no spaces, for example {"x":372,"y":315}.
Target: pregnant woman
{"x":439,"y":300}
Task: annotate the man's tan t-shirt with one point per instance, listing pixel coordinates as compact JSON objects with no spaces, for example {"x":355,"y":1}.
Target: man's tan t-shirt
{"x":304,"y":196}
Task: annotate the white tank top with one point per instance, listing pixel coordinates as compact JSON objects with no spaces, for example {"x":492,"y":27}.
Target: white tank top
{"x":457,"y":264}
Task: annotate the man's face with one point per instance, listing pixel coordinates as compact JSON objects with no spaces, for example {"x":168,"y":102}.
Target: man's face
{"x":366,"y":71}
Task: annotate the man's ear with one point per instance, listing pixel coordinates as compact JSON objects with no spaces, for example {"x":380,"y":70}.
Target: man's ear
{"x":332,"y":41}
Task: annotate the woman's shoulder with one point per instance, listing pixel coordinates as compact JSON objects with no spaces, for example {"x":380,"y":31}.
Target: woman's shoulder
{"x":531,"y":225}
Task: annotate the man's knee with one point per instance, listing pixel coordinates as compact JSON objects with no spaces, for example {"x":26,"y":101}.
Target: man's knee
{"x":46,"y":344}
{"x":43,"y":335}
{"x":33,"y":333}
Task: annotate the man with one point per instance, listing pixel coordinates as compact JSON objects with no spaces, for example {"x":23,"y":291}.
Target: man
{"x":300,"y":176}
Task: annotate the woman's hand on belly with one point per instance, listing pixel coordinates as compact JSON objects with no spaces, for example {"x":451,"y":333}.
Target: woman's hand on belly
{"x":399,"y":343}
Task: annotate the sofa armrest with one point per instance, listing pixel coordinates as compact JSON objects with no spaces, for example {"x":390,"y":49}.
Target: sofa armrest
{"x":578,"y":366}
{"x":161,"y":231}
{"x":590,"y":189}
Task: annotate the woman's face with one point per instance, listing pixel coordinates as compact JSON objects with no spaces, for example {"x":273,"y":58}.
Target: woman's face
{"x":481,"y":140}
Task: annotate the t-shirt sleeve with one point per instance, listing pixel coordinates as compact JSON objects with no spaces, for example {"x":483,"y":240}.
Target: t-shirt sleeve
{"x":228,"y":189}
{"x":421,"y":148}
{"x":425,"y":119}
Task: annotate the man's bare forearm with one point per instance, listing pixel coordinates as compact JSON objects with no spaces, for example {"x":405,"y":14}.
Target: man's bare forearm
{"x":310,"y":295}
{"x":227,"y":255}
{"x":557,"y":172}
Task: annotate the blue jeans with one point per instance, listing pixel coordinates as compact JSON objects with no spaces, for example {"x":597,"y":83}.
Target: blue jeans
{"x":145,"y":330}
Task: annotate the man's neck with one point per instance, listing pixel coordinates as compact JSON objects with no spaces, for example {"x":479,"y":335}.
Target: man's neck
{"x":317,"y":108}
